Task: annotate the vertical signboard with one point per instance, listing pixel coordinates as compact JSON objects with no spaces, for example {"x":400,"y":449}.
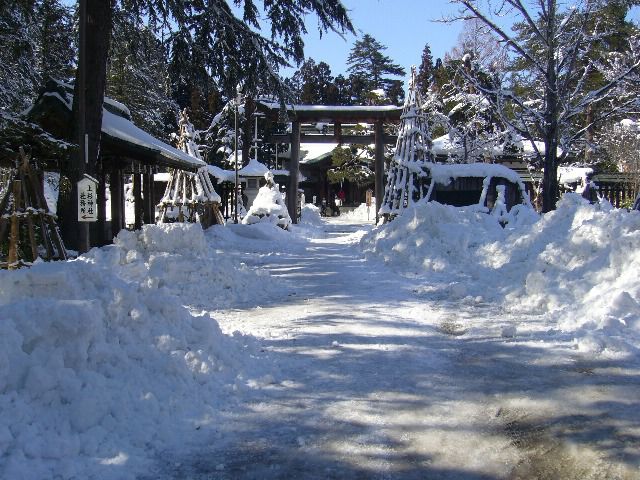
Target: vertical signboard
{"x":87,"y":199}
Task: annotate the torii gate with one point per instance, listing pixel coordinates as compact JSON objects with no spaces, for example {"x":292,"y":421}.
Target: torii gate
{"x":338,"y":115}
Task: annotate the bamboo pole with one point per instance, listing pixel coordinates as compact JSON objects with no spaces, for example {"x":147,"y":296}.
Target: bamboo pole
{"x":15,"y":227}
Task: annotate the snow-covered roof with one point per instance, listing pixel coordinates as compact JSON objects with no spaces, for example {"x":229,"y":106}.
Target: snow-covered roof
{"x":123,"y":129}
{"x":117,"y":125}
{"x":444,"y":146}
{"x":118,"y":106}
{"x":253,"y":169}
{"x":335,"y":108}
{"x":161,"y":177}
{"x":221,"y":174}
{"x":443,"y":173}
{"x":574,"y":174}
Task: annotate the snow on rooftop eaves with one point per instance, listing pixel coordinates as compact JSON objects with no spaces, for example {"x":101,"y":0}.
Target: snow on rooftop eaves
{"x":119,"y":127}
{"x":444,"y":146}
{"x":119,"y":107}
{"x":221,"y":174}
{"x":342,"y":108}
{"x":443,"y":173}
{"x":253,"y":169}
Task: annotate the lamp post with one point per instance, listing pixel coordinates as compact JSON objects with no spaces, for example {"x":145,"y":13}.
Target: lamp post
{"x":236,"y":103}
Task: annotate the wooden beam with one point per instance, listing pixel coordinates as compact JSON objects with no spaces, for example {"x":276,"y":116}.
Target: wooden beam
{"x":294,"y":165}
{"x":117,"y":192}
{"x":333,"y":113}
{"x":340,"y":139}
{"x":137,"y":199}
{"x":148,"y":209}
{"x":102,"y":238}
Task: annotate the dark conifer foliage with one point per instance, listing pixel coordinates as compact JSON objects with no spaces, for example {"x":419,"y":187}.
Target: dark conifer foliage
{"x":37,"y":39}
{"x":426,"y":69}
{"x":314,"y":84}
{"x":137,"y":75}
{"x":370,"y":70}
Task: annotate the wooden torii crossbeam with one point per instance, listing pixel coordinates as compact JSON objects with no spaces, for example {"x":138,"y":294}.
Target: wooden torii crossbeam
{"x":338,"y":115}
{"x":28,"y":230}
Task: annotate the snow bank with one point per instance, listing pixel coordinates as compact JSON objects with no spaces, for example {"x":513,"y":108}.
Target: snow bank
{"x":579,"y":263}
{"x":310,"y":215}
{"x":101,"y":365}
{"x":361,"y":213}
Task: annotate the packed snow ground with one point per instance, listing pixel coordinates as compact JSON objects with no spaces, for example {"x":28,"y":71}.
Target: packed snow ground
{"x":437,"y":346}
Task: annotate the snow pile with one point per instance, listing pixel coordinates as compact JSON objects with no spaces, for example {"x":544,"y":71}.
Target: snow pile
{"x":361,"y":213}
{"x":178,"y":260}
{"x":102,"y":367}
{"x":310,"y":215}
{"x":268,"y":206}
{"x":580,"y":263}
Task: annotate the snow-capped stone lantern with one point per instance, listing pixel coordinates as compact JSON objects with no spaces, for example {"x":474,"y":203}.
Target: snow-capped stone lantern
{"x":268,"y":206}
{"x":252,"y":178}
{"x":413,"y":150}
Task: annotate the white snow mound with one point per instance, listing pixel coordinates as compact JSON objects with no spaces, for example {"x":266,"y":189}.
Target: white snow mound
{"x":580,"y":262}
{"x":100,"y":363}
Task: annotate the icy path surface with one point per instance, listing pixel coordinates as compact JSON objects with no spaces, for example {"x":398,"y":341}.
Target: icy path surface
{"x":373,"y":378}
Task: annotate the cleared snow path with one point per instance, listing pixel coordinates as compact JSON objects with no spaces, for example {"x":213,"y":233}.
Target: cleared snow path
{"x":374,"y":378}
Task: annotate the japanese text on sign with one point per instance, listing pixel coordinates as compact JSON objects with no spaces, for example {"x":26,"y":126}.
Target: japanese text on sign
{"x":87,"y":200}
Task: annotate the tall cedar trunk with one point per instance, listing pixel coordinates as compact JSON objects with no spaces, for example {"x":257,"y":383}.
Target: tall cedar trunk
{"x":589,"y":134}
{"x":98,"y":33}
{"x":247,"y":129}
{"x":550,"y":179}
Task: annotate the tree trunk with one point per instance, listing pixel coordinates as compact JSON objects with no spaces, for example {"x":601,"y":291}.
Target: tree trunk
{"x":247,"y":130}
{"x":550,"y":179}
{"x":97,"y":36}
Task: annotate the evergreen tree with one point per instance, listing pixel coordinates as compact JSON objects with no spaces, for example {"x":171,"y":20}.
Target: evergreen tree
{"x":37,"y":41}
{"x":425,"y":76}
{"x":137,"y":76}
{"x":370,"y":69}
{"x":344,"y":92}
{"x":314,"y":84}
{"x":18,"y":77}
{"x":56,"y":40}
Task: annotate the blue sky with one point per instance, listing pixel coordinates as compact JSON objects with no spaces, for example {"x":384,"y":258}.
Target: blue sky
{"x":403,"y":26}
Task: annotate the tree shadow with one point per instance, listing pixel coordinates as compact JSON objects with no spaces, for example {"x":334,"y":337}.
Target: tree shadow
{"x":363,"y":402}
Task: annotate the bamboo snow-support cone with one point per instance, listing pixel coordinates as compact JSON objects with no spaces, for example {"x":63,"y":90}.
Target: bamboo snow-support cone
{"x":14,"y":238}
{"x":28,"y":231}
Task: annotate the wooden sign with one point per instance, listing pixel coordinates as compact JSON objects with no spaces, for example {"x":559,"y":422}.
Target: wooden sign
{"x":87,"y":199}
{"x":369,"y":197}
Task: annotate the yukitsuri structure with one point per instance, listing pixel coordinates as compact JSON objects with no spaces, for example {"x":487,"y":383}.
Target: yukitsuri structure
{"x":190,"y":197}
{"x":28,"y":230}
{"x":413,"y":150}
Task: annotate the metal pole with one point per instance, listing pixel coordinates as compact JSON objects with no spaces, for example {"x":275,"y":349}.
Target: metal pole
{"x":235,"y":193}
